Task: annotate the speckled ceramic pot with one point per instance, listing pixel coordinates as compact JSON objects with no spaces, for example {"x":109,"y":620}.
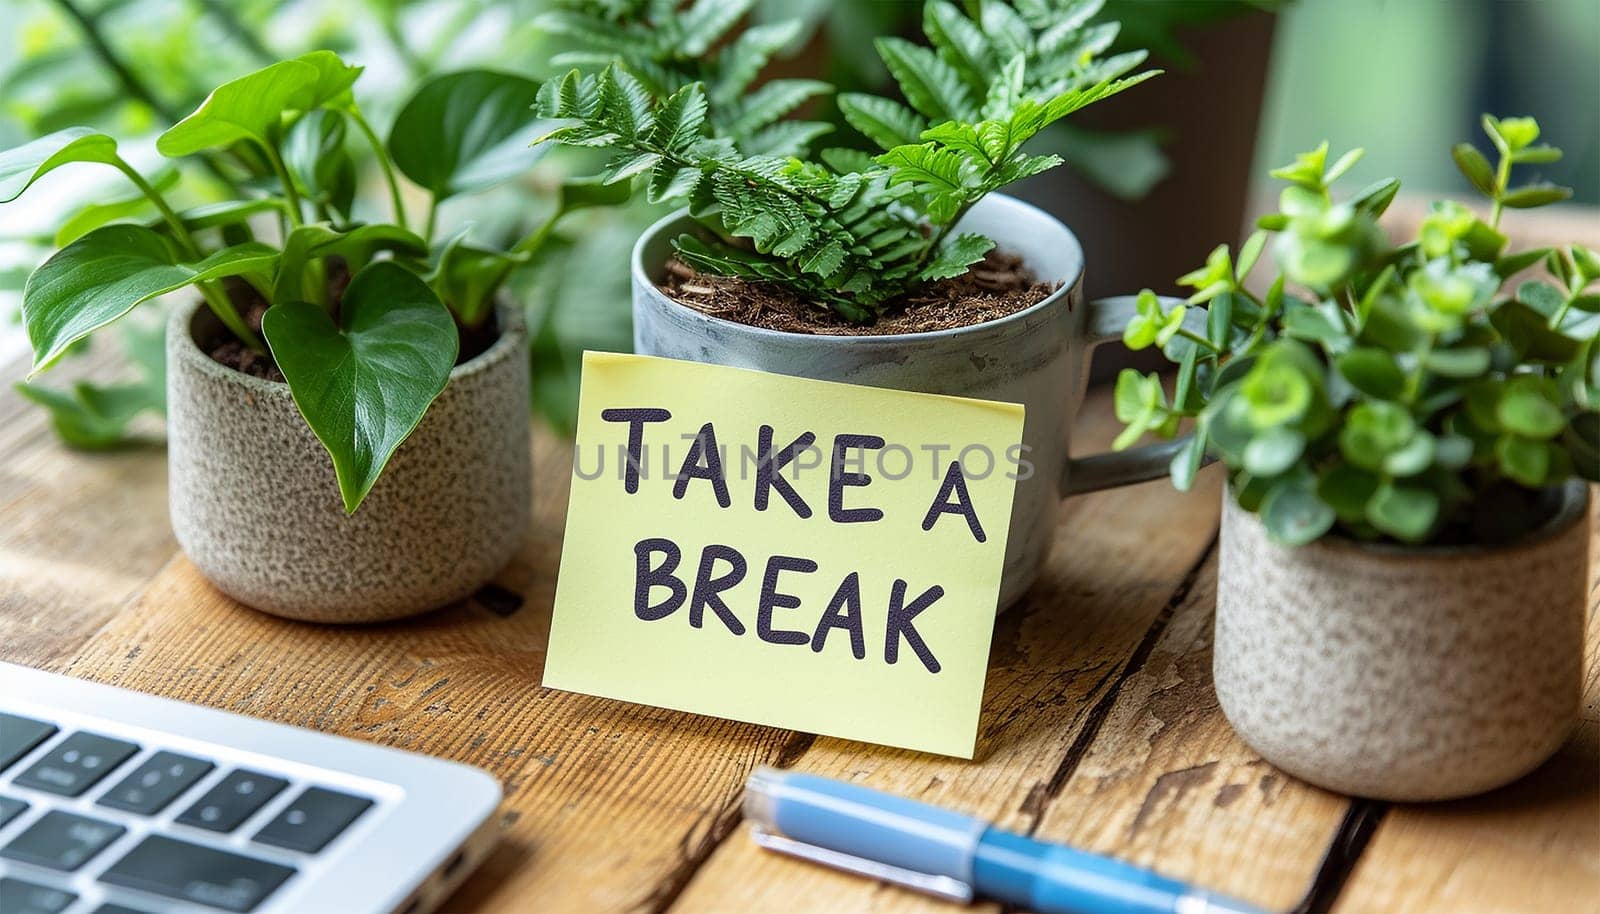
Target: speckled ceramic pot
{"x":1403,"y":673}
{"x":256,"y":507}
{"x":1038,"y":357}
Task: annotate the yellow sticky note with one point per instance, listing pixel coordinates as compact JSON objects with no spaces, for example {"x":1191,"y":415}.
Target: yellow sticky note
{"x":811,"y":555}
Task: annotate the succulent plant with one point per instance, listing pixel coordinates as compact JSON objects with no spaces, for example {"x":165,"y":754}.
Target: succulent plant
{"x":1408,"y":391}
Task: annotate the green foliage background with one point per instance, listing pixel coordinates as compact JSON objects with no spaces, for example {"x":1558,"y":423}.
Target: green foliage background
{"x":1436,"y":64}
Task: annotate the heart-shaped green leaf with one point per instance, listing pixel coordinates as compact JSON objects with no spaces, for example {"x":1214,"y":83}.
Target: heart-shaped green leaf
{"x":25,"y":164}
{"x":466,"y":131}
{"x":248,"y":108}
{"x":364,"y":387}
{"x":103,"y":275}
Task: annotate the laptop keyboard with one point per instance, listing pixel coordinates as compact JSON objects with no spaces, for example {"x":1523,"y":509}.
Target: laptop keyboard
{"x":59,"y":836}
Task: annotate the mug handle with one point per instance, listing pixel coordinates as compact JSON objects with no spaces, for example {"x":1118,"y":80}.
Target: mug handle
{"x":1106,"y":318}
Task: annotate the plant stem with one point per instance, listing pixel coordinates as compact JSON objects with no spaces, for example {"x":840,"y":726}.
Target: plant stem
{"x":1502,"y":177}
{"x":1420,"y":373}
{"x":537,"y":238}
{"x":216,"y":297}
{"x":179,"y":230}
{"x":316,"y":284}
{"x":1197,"y":339}
{"x":382,"y":156}
{"x":433,"y":215}
{"x":222,"y":306}
{"x":296,"y":214}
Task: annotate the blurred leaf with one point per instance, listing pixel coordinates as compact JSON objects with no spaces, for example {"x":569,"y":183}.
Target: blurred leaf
{"x":1530,"y":407}
{"x":1477,"y":168}
{"x":1405,"y":512}
{"x":1535,"y":195}
{"x":1373,"y":372}
{"x":96,"y":416}
{"x":1273,"y":452}
{"x":1347,"y":489}
{"x":1294,"y":515}
{"x":467,"y":131}
{"x":1523,"y":459}
{"x":1125,"y":164}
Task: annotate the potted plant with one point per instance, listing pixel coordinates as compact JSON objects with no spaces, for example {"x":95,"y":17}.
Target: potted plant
{"x":906,"y":269}
{"x":1401,"y":592}
{"x":327,"y":364}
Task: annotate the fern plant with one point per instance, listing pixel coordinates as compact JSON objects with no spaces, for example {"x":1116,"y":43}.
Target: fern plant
{"x":850,"y":230}
{"x":666,"y":50}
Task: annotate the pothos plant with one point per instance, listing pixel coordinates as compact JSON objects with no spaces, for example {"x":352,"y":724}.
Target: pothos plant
{"x":846,"y":229}
{"x":364,"y":360}
{"x":1407,"y":391}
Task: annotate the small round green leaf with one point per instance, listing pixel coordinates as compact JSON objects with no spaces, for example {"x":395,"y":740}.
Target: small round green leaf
{"x":1373,"y":371}
{"x":363,"y":387}
{"x":1412,"y":458}
{"x":1347,"y":489}
{"x":1274,"y":451}
{"x":1530,"y":410}
{"x":1294,"y":515}
{"x":1523,"y":459}
{"x":1467,"y":362}
{"x":1404,"y":512}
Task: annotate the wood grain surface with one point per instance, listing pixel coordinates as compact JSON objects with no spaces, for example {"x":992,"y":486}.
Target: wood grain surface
{"x":1099,"y":726}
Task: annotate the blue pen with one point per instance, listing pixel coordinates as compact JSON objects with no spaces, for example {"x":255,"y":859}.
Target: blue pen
{"x":951,"y":855}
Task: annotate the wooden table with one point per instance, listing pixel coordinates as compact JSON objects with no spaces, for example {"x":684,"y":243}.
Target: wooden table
{"x":1099,"y":726}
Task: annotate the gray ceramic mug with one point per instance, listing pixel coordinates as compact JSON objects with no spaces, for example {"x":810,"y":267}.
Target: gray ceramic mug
{"x":1038,"y":357}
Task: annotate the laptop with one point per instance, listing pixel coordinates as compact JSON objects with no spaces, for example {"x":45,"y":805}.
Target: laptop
{"x":117,"y":802}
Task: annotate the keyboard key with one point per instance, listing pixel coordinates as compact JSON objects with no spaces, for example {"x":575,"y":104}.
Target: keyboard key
{"x":109,"y":908}
{"x":18,"y":736}
{"x":9,"y":809}
{"x":76,"y":764}
{"x":62,"y":841}
{"x":156,"y":783}
{"x":189,"y":872}
{"x":18,"y":896}
{"x":315,"y":817}
{"x":232,"y":800}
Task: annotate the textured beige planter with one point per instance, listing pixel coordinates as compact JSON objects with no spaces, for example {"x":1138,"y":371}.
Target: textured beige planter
{"x":1403,"y":673}
{"x":256,"y":507}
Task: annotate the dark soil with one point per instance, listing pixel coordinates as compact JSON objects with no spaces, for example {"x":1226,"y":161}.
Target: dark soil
{"x":998,"y":286}
{"x":236,"y":355}
{"x":230,"y":352}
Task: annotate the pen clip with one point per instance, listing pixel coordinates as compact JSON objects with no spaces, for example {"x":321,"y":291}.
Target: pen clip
{"x":946,"y":887}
